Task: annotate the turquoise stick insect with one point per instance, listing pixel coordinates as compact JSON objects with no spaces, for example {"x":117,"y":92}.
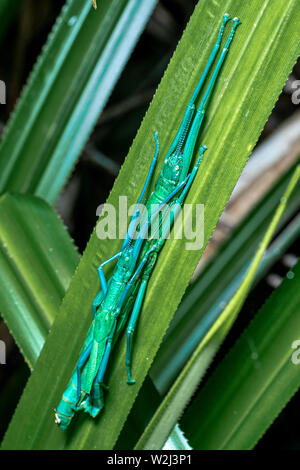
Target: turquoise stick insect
{"x":85,"y":389}
{"x":174,"y":172}
{"x":137,"y":257}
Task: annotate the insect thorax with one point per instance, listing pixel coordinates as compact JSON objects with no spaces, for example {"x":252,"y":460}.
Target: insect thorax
{"x":123,"y":269}
{"x":103,"y":322}
{"x":170,"y":175}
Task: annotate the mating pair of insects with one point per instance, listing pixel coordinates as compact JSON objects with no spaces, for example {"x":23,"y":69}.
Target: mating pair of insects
{"x":122,"y":295}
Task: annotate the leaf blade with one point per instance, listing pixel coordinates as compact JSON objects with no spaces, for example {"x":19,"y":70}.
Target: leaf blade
{"x":37,"y":259}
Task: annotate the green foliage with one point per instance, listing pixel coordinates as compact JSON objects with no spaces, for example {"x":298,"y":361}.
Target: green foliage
{"x":67,"y":90}
{"x":37,"y":261}
{"x":237,"y":113}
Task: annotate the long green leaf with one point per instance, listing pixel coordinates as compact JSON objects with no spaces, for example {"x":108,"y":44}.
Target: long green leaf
{"x":180,"y":394}
{"x":70,"y":84}
{"x":255,"y":380}
{"x":237,"y":113}
{"x":37,"y":262}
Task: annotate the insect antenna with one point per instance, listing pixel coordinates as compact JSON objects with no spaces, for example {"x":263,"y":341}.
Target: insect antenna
{"x":184,"y":128}
{"x":225,"y":50}
{"x":211,"y":59}
{"x":197,"y":122}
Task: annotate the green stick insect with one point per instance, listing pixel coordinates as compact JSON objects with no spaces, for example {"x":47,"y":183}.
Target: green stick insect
{"x":124,"y":293}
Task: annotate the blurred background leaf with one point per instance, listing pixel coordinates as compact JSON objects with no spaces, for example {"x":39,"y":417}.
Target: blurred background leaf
{"x":37,"y":261}
{"x":68,"y":88}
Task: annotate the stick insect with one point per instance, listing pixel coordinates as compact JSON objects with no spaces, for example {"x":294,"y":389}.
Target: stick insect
{"x":137,"y":257}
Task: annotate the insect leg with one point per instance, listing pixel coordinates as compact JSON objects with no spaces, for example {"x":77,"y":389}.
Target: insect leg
{"x":172,"y":210}
{"x":153,"y":163}
{"x":96,"y":302}
{"x":184,"y":127}
{"x":139,"y":300}
{"x":131,"y":327}
{"x":192,"y":176}
{"x":81,"y":361}
{"x":182,"y":131}
{"x":211,"y":59}
{"x":103,"y":282}
{"x":195,"y":128}
{"x":191,"y":143}
{"x":224,"y":52}
{"x":132,"y":225}
{"x":104,"y":361}
{"x":144,"y":229}
{"x":96,"y":398}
